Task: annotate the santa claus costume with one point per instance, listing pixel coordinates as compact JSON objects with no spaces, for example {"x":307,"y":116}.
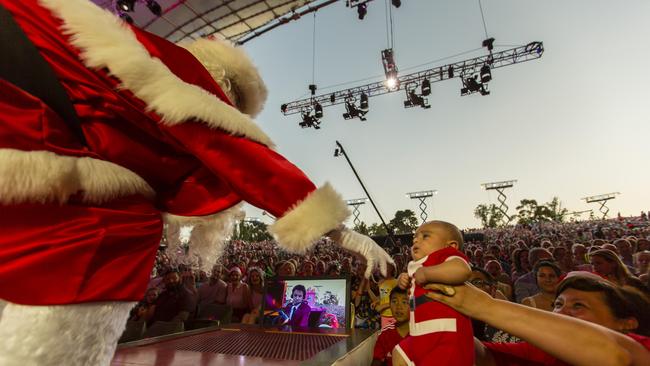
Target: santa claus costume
{"x":166,"y":135}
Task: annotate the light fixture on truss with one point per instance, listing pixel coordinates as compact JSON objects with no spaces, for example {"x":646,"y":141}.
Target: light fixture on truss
{"x":354,"y":111}
{"x":414,"y":99}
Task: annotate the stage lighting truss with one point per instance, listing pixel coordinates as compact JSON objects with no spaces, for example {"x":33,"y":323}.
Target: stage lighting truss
{"x":352,"y":110}
{"x":466,"y":69}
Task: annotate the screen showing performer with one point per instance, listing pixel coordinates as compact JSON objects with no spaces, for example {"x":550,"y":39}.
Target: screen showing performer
{"x":306,"y":303}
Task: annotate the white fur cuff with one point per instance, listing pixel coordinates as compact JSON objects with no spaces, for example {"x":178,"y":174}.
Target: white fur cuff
{"x":322,"y":211}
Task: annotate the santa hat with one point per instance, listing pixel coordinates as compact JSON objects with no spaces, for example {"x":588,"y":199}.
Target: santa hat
{"x":233,"y":70}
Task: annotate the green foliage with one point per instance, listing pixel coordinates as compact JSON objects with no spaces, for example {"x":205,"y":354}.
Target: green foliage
{"x":377,"y":230}
{"x":490,"y":215}
{"x":529,"y":211}
{"x":404,"y":222}
{"x":251,"y":231}
{"x":362,"y":228}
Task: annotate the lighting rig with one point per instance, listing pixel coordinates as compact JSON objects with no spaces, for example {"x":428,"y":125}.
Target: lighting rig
{"x":602,"y":200}
{"x":475,"y":73}
{"x":362,"y":6}
{"x":123,"y":7}
{"x":500,"y":187}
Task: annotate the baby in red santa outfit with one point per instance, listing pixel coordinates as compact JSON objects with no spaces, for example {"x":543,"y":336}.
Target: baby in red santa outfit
{"x":439,"y":335}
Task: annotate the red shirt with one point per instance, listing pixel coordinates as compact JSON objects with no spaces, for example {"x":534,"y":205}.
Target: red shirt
{"x":387,"y":340}
{"x":524,"y":354}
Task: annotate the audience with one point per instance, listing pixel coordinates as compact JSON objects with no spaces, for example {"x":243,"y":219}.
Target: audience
{"x":547,"y":275}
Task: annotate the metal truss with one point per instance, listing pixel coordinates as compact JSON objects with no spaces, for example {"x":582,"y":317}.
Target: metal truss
{"x":461,"y":69}
{"x":602,"y":200}
{"x":500,"y":187}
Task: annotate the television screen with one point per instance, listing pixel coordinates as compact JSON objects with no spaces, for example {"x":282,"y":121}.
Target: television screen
{"x":309,"y":302}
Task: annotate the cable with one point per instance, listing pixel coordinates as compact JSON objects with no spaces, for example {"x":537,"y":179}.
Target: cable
{"x":392,"y":37}
{"x":313,"y":57}
{"x":386,"y":10}
{"x":483,"y":17}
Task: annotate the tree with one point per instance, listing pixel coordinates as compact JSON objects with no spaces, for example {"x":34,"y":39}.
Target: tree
{"x":490,"y":215}
{"x":377,"y":230}
{"x":404,"y":222}
{"x":251,"y":231}
{"x":362,"y":228}
{"x":530,"y":211}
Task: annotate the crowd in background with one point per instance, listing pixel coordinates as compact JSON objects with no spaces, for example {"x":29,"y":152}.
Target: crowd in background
{"x":520,"y":263}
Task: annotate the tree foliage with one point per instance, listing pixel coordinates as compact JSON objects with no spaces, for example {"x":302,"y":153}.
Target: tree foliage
{"x":404,"y":222}
{"x":529,"y":211}
{"x":490,"y":215}
{"x":251,"y":231}
{"x":377,"y":230}
{"x":362,"y":228}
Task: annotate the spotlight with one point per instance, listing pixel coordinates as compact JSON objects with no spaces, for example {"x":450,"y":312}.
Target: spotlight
{"x":154,"y":7}
{"x":309,"y":120}
{"x":126,"y":17}
{"x":318,"y":110}
{"x":125,"y":5}
{"x":397,"y":3}
{"x":392,"y":83}
{"x":413,"y":99}
{"x":363,"y":104}
{"x":450,"y":72}
{"x":362,"y":10}
{"x":352,"y":111}
{"x":332,"y":98}
{"x":486,"y":74}
{"x":337,"y":152}
{"x":489,"y":43}
{"x":426,"y":87}
{"x":283,"y":108}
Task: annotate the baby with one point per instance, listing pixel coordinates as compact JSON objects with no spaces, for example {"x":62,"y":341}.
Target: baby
{"x":438,"y":334}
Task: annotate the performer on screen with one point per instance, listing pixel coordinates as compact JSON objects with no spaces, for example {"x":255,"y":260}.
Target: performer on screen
{"x":296,"y":312}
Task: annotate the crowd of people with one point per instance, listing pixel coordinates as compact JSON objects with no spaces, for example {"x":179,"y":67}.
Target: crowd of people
{"x":534,"y":265}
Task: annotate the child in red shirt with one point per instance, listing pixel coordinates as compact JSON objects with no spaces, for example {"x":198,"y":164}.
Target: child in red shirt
{"x":394,"y":332}
{"x":439,"y":335}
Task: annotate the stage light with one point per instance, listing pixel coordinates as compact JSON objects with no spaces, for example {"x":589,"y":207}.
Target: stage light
{"x":413,"y":99}
{"x":352,"y":111}
{"x":486,"y":74}
{"x":332,"y":98}
{"x":391,"y":83}
{"x":450,"y":72}
{"x":154,"y":7}
{"x":283,"y":108}
{"x":318,"y":110}
{"x":125,"y":5}
{"x":362,"y":10}
{"x":489,"y":43}
{"x":363,"y":104}
{"x":126,"y":17}
{"x":309,"y":119}
{"x":426,"y":87}
{"x":397,"y":3}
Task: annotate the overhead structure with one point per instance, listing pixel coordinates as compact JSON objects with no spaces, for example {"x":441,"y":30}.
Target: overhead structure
{"x":474,"y":73}
{"x":500,"y":187}
{"x":422,"y":196}
{"x":355,"y":203}
{"x":602,"y":200}
{"x":237,"y":20}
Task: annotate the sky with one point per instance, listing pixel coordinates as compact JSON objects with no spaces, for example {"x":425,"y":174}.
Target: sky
{"x":571,"y":124}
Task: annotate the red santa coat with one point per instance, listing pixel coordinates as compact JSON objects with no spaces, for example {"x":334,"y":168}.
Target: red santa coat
{"x":82,"y":223}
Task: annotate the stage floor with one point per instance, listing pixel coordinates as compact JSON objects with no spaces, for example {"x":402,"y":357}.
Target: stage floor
{"x":243,"y":345}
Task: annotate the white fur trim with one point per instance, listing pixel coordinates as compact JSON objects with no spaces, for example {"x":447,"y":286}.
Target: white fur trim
{"x":231,"y":64}
{"x":43,"y":176}
{"x":208,"y":238}
{"x":322,"y":211}
{"x":74,"y":335}
{"x":105,"y":41}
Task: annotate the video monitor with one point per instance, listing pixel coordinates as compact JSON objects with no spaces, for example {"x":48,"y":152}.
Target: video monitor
{"x":307,"y":302}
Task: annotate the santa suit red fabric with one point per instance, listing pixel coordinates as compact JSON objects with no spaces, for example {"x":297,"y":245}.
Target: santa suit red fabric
{"x":438,"y":334}
{"x":83,"y":223}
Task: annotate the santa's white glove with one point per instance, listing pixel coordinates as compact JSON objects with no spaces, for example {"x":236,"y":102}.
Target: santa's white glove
{"x":367,"y":248}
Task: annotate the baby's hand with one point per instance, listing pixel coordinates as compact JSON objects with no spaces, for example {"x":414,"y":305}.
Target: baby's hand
{"x":404,"y":281}
{"x":419,"y":276}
